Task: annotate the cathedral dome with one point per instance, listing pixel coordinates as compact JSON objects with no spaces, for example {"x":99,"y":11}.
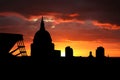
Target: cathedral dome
{"x":42,"y":36}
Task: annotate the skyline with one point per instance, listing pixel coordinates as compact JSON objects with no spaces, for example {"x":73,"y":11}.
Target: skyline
{"x":83,"y":25}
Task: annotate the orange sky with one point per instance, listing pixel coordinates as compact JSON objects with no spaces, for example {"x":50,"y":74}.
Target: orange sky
{"x":82,"y":48}
{"x":82,"y":36}
{"x":82,"y":44}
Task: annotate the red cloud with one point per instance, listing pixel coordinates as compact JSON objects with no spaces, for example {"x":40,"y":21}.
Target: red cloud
{"x":74,"y":15}
{"x":106,"y":25}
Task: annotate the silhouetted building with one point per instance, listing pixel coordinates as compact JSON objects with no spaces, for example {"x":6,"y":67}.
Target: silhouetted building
{"x":90,"y":55}
{"x":7,"y":41}
{"x":100,"y":57}
{"x":42,"y":44}
{"x":100,"y":52}
{"x":68,"y":51}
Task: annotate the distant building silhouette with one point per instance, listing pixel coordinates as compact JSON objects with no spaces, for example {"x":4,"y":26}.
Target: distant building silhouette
{"x":100,"y":55}
{"x":90,"y":55}
{"x":100,"y":52}
{"x":68,"y":51}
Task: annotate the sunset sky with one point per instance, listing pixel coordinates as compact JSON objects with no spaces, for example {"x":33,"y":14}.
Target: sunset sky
{"x":82,"y":24}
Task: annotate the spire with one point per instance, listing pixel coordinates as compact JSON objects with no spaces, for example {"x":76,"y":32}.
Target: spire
{"x":42,"y":25}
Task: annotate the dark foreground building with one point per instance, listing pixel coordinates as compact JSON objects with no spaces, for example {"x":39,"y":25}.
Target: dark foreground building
{"x":42,"y":47}
{"x":42,"y":44}
{"x":7,"y":41}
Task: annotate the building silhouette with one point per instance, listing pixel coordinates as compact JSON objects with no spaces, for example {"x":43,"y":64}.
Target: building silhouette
{"x":68,"y":51}
{"x":42,"y":47}
{"x":7,"y":42}
{"x":100,"y":55}
{"x":100,"y":52}
{"x":42,"y":44}
{"x":90,"y":55}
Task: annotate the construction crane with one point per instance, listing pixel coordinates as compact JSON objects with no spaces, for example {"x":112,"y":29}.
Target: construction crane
{"x":7,"y":41}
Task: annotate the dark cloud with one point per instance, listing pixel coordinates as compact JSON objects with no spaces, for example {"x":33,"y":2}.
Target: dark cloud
{"x":70,"y":30}
{"x":11,"y":21}
{"x":84,"y":32}
{"x":14,"y":24}
{"x":106,"y":11}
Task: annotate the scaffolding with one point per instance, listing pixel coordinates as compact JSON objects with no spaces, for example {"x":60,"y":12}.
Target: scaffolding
{"x":21,"y":48}
{"x":8,"y":40}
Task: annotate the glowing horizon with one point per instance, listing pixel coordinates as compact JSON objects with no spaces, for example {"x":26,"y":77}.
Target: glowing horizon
{"x":80,"y":47}
{"x":82,"y":50}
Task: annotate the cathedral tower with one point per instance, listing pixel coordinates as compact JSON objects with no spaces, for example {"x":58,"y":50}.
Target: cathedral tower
{"x":42,"y":45}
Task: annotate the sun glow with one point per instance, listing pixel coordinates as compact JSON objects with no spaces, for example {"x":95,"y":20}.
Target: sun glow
{"x":80,"y":48}
{"x":48,"y":20}
{"x":35,"y":19}
{"x":62,"y":53}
